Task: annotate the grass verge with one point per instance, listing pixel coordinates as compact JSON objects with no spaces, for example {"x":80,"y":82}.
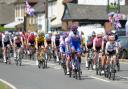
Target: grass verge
{"x":4,"y":86}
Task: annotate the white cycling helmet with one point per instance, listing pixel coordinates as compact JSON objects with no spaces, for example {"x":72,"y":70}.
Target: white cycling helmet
{"x":6,"y":32}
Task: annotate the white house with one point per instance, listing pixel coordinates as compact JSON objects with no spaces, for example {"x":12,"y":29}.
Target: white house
{"x":55,"y":12}
{"x":56,"y":9}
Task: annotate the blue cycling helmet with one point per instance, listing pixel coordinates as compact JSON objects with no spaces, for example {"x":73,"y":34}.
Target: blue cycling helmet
{"x":93,"y":33}
{"x":74,"y":28}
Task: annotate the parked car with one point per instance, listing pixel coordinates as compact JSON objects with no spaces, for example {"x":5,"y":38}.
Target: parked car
{"x":123,"y":52}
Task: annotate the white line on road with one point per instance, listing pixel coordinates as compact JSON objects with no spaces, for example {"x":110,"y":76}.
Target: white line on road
{"x":100,"y":79}
{"x":123,"y":77}
{"x":7,"y":83}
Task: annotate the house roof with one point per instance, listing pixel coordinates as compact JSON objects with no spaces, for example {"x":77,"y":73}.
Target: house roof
{"x":6,"y":13}
{"x":7,"y":1}
{"x":88,"y":12}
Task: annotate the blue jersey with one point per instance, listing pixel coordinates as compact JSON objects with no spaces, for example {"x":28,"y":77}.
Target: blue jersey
{"x":75,"y":41}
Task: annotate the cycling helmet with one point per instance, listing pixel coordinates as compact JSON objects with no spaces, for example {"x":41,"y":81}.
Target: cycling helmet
{"x":74,"y":28}
{"x":6,"y":32}
{"x":31,"y":33}
{"x":93,"y":33}
{"x":17,"y":34}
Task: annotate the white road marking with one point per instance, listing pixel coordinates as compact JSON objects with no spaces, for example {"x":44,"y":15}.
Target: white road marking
{"x":9,"y":84}
{"x":57,"y":67}
{"x":123,"y":77}
{"x":100,"y":79}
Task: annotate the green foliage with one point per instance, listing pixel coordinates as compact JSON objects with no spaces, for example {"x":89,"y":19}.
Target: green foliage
{"x":113,"y":8}
{"x":4,"y":29}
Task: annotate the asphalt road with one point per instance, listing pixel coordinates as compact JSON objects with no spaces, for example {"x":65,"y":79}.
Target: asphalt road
{"x":28,"y":76}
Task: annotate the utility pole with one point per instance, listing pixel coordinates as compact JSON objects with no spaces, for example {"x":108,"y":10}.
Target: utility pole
{"x":46,"y":16}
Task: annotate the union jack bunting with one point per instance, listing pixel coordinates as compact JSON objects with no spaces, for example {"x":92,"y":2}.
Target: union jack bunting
{"x":29,"y":10}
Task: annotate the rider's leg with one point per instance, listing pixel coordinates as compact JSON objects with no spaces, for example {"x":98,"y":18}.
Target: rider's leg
{"x":4,"y":54}
{"x":67,"y":63}
{"x":95,"y":59}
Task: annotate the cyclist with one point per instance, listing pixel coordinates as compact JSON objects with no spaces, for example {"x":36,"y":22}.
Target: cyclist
{"x":89,"y":45}
{"x":57,"y":43}
{"x":75,"y":42}
{"x":40,"y":40}
{"x":18,"y":44}
{"x":48,"y":39}
{"x":97,"y":45}
{"x":111,"y":49}
{"x":6,"y":42}
{"x":49,"y":46}
{"x":31,"y":39}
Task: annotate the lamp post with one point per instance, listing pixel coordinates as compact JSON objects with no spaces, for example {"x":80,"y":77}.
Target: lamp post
{"x":46,"y":16}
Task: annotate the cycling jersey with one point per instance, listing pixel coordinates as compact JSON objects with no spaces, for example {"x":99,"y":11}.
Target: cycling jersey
{"x":48,"y":38}
{"x":75,"y":41}
{"x":5,"y":40}
{"x":110,"y":47}
{"x":17,"y":40}
{"x":89,"y":42}
{"x":62,"y":45}
{"x":57,"y":40}
{"x":31,"y":39}
{"x":97,"y":41}
{"x":40,"y":40}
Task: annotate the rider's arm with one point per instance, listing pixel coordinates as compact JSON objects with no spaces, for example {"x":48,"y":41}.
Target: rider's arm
{"x":10,"y":40}
{"x":102,"y":47}
{"x":94,"y":44}
{"x":3,"y":41}
{"x":14,"y":41}
{"x":106,"y":47}
{"x":36,"y":43}
{"x":45,"y":43}
{"x":22,"y":41}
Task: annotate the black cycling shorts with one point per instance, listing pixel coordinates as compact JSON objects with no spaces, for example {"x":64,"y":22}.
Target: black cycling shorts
{"x":48,"y":41}
{"x":57,"y":42}
{"x":6,"y":43}
{"x":40,"y":44}
{"x":98,"y":48}
{"x":18,"y":45}
{"x":112,"y":52}
{"x":89,"y":46}
{"x":32,"y":42}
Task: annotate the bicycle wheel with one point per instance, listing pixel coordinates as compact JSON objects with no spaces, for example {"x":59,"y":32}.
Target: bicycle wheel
{"x":113,"y":76}
{"x":118,"y":66}
{"x":79,"y":74}
{"x":97,"y":72}
{"x":70,"y":72}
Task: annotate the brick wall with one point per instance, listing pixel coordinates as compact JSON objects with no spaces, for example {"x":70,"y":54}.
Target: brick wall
{"x":126,"y":2}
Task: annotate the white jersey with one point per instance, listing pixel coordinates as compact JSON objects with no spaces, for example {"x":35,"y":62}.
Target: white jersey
{"x":111,"y":47}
